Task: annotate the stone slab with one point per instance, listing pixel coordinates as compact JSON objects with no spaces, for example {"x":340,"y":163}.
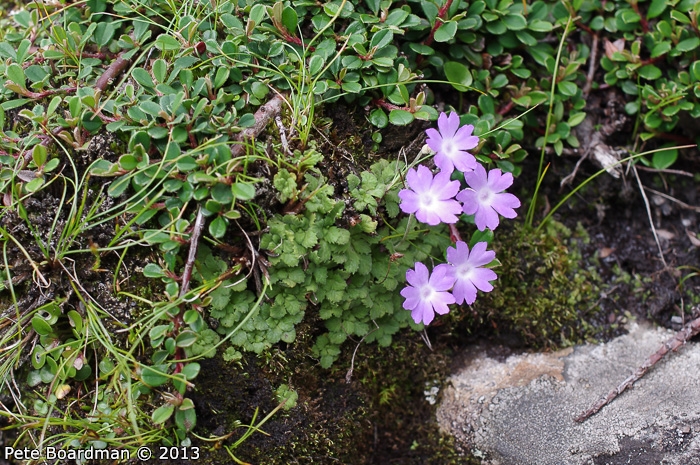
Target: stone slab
{"x":519,"y":409}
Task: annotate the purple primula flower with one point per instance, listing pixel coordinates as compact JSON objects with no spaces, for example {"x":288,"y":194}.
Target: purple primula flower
{"x":427,"y":295}
{"x":431,"y":199}
{"x":484,"y":197}
{"x":451,"y":143}
{"x":468,"y":271}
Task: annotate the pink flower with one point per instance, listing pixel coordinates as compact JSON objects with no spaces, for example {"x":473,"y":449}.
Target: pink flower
{"x":484,"y":197}
{"x":431,"y":199}
{"x":451,"y":143}
{"x":468,"y":272}
{"x":427,"y":295}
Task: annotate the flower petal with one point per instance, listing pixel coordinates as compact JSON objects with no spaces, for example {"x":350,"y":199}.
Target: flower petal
{"x":441,"y":302}
{"x":470,"y":201}
{"x":476,"y":179}
{"x":409,"y":201}
{"x":448,"y":125}
{"x":464,"y":291}
{"x":442,"y":278}
{"x":505,"y":203}
{"x":464,"y":139}
{"x":486,"y":218}
{"x":480,"y":278}
{"x":465,"y":162}
{"x":499,"y":181}
{"x":423,"y":313}
{"x":480,"y":256}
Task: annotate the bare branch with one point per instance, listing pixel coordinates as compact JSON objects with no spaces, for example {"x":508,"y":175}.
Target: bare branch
{"x":681,"y":337}
{"x":262,"y":117}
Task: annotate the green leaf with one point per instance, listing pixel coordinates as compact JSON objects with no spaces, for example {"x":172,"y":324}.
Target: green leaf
{"x":142,"y":76}
{"x":158,"y":332}
{"x":660,"y":48}
{"x":221,"y":193}
{"x":576,"y":118}
{"x":160,"y":69}
{"x":539,"y":25}
{"x":154,"y":376}
{"x":243,"y":191}
{"x":167,"y":43}
{"x":186,"y":338}
{"x":39,"y":155}
{"x":446,"y":32}
{"x":15,"y":73}
{"x":186,"y":163}
{"x":118,"y":186}
{"x":458,"y":75}
{"x":664,"y":159}
{"x":290,"y":19}
{"x":680,"y":17}
{"x":186,"y":416}
{"x":649,"y":72}
{"x":656,"y":8}
{"x":515,"y":22}
{"x":162,"y":413}
{"x":316,"y":63}
{"x":152,"y":270}
{"x":8,"y":51}
{"x":217,"y":228}
{"x":41,"y":327}
{"x":378,"y":118}
{"x":191,"y":370}
{"x":382,"y":38}
{"x":400,"y":117}
{"x":688,"y":44}
{"x":150,"y":107}
{"x":695,"y":69}
{"x":567,"y":88}
{"x":34,"y":185}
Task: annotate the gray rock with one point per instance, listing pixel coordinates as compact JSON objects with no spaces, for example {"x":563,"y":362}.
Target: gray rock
{"x":519,"y":410}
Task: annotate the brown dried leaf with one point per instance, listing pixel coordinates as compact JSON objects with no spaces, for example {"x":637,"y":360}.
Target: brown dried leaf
{"x":605,"y":252}
{"x":693,"y":238}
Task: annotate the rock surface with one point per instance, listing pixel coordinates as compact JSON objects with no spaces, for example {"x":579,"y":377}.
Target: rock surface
{"x":519,"y":409}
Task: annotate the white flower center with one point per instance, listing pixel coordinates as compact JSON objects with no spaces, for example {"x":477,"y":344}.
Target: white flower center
{"x":485,"y":197}
{"x":426,"y":293}
{"x":448,"y":147}
{"x":464,"y":272}
{"x":427,"y":200}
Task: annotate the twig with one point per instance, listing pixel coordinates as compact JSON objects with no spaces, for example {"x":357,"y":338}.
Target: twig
{"x":681,"y":337}
{"x":651,"y":221}
{"x":668,"y":171}
{"x":262,"y":117}
{"x":283,"y":135}
{"x":192,"y":255}
{"x":111,"y":72}
{"x":673,"y":199}
{"x":591,"y":66}
{"x":348,"y":375}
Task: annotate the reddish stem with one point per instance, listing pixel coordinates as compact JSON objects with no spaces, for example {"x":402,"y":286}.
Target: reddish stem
{"x":387,"y":106}
{"x":506,"y":108}
{"x":454,"y":234}
{"x":442,"y":12}
{"x":46,"y":93}
{"x":642,"y":19}
{"x":429,"y":40}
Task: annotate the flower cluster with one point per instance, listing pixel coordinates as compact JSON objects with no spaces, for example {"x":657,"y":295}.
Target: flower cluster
{"x":437,"y":199}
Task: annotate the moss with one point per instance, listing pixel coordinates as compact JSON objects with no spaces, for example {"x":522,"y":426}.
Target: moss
{"x":546,"y":293}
